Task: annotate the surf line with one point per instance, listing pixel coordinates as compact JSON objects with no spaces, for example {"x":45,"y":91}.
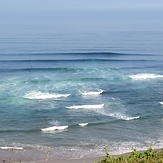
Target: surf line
{"x":91,"y":93}
{"x":43,"y":96}
{"x":61,"y":127}
{"x":85,"y":106}
{"x":54,"y":128}
{"x":82,"y":124}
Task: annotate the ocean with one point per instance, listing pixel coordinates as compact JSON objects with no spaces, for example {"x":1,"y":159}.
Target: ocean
{"x":74,"y":94}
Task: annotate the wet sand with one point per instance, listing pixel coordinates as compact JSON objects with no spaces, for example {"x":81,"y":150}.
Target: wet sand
{"x":81,"y":160}
{"x":33,"y":156}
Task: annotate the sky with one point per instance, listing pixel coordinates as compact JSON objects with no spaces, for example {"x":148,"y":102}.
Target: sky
{"x":82,"y":15}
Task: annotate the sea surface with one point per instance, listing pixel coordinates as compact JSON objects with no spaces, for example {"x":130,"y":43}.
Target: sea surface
{"x":74,"y":94}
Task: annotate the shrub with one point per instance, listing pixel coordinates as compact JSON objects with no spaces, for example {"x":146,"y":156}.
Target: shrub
{"x":148,"y":156}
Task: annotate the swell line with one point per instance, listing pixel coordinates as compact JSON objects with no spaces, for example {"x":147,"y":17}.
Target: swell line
{"x":71,"y":53}
{"x":42,"y":69}
{"x":72,"y":60}
{"x":56,"y":69}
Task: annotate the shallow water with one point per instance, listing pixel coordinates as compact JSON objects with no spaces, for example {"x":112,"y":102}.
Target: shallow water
{"x":112,"y":81}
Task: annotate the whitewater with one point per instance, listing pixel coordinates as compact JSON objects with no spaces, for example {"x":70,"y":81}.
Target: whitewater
{"x":75,"y":100}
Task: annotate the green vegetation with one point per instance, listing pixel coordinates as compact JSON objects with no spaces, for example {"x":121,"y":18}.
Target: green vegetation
{"x":148,"y":156}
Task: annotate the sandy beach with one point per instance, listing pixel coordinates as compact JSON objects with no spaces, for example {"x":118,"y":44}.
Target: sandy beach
{"x":33,"y":156}
{"x":81,"y":160}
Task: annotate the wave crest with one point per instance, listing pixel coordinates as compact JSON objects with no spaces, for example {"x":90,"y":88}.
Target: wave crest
{"x":42,"y":96}
{"x":54,"y":128}
{"x":161,"y":103}
{"x":123,"y":117}
{"x":145,"y":76}
{"x":91,"y":93}
{"x":85,"y":106}
{"x":83,"y":124}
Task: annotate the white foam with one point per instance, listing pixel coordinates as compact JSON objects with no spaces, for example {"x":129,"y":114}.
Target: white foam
{"x":54,"y":123}
{"x":54,"y":128}
{"x":145,"y":76}
{"x":131,"y":118}
{"x":161,"y":103}
{"x":85,"y":106}
{"x":83,"y":124}
{"x":18,"y":148}
{"x":91,"y":93}
{"x":42,"y":96}
{"x":124,"y":117}
{"x":117,"y":115}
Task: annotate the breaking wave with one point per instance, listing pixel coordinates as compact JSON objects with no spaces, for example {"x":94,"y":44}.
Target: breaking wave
{"x":83,"y":124}
{"x":145,"y":76}
{"x":54,"y":128}
{"x":91,"y":93}
{"x":121,"y":116}
{"x":124,"y":117}
{"x":117,"y":115}
{"x":85,"y":106}
{"x":161,"y":103}
{"x":43,"y":96}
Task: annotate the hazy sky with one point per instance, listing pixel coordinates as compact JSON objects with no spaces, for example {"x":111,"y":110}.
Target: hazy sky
{"x":82,"y":15}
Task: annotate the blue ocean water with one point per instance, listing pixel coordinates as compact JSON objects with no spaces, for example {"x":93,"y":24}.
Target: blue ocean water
{"x":111,"y":81}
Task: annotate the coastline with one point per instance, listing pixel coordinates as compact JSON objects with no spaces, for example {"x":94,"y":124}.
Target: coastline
{"x":34,"y":156}
{"x":69,"y":160}
{"x":31,"y":156}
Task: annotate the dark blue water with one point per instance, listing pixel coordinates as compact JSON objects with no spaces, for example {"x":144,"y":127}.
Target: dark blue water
{"x":110,"y":81}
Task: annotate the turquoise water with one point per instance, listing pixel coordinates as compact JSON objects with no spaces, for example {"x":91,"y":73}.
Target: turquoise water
{"x":110,"y":81}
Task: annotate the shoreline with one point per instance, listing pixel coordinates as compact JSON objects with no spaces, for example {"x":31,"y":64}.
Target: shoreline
{"x":69,"y":160}
{"x":34,"y":156}
{"x":31,"y":156}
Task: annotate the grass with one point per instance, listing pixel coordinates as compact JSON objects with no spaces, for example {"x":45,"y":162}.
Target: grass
{"x":148,"y":156}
